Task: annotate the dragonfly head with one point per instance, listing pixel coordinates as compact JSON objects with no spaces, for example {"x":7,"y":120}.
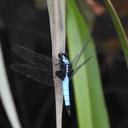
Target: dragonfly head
{"x":61,"y":54}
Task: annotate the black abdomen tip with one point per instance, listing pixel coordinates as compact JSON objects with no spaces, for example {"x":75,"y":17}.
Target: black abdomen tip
{"x":68,"y":110}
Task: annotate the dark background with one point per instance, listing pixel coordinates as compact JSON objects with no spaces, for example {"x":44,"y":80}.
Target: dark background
{"x":22,"y":23}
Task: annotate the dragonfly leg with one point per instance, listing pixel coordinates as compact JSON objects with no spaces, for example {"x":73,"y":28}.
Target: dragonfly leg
{"x":68,"y":109}
{"x":60,"y":74}
{"x":70,"y":71}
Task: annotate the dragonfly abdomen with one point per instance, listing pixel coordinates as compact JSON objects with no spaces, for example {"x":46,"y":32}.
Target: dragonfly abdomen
{"x":65,"y":84}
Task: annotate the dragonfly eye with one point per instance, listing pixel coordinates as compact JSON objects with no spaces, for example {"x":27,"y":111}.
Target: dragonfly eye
{"x":60,"y":55}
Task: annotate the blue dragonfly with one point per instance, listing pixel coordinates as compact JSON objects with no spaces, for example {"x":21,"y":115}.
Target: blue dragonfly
{"x":39,"y":68}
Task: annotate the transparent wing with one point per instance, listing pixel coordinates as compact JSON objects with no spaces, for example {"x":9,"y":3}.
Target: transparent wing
{"x":32,"y":57}
{"x":76,"y":59}
{"x":37,"y":74}
{"x":78,"y":67}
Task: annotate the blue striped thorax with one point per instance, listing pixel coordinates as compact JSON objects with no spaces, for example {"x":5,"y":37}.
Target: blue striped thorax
{"x":65,"y":66}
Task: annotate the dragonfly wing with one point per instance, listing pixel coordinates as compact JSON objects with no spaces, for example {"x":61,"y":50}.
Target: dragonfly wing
{"x":78,"y":67}
{"x":76,"y":59}
{"x":32,"y":57}
{"x":37,"y":74}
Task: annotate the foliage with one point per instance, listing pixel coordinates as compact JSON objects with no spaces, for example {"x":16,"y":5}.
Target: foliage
{"x":90,"y":104}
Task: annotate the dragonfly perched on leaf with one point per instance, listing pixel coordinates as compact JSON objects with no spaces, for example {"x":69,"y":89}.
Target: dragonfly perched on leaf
{"x":39,"y":68}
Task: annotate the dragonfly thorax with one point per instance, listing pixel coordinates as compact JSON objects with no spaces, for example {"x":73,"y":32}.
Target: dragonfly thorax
{"x":65,"y":66}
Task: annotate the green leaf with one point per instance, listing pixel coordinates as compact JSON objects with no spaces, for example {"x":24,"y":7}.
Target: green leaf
{"x":91,"y":109}
{"x":119,"y":28}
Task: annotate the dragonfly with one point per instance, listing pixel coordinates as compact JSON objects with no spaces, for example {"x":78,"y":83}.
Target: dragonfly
{"x":39,"y":68}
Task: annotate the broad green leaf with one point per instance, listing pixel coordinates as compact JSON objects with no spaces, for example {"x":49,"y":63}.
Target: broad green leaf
{"x":91,"y":109}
